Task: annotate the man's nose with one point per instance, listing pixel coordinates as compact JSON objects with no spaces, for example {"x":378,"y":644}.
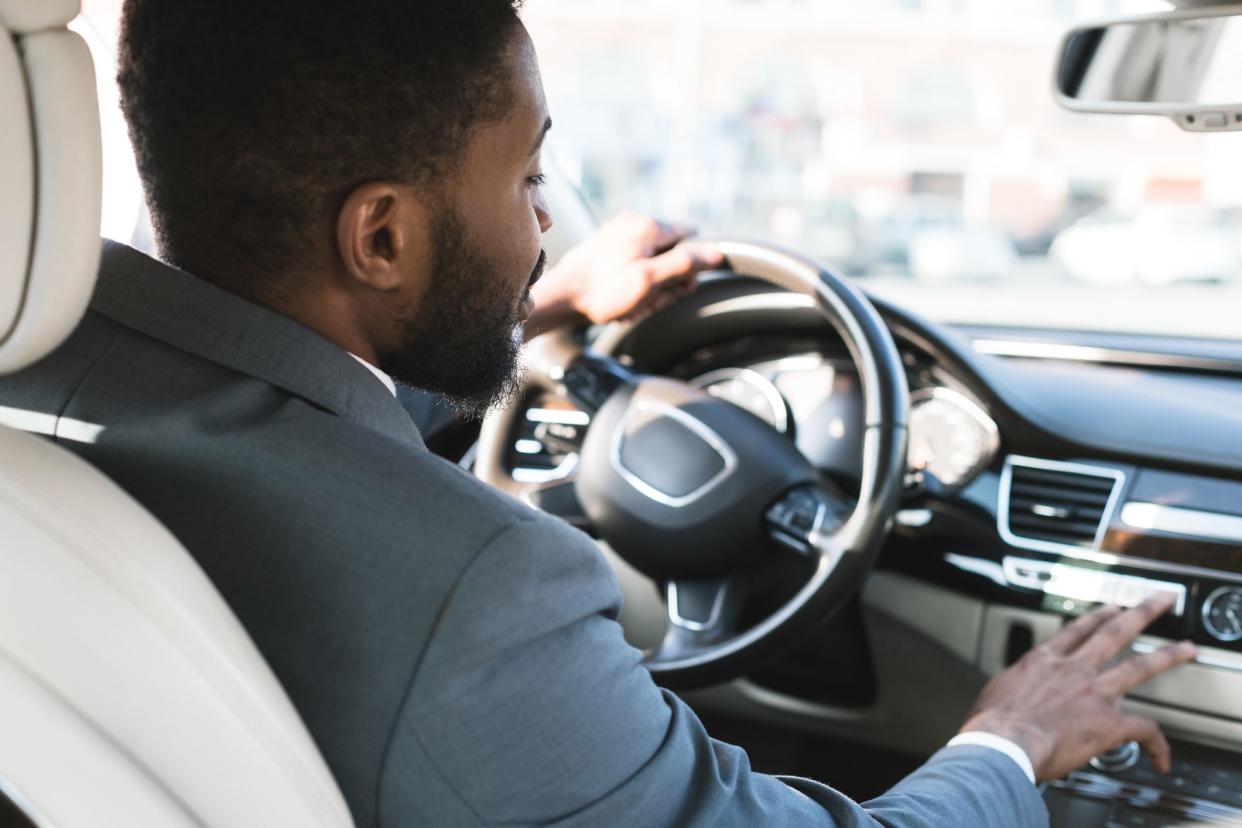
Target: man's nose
{"x":543,"y":213}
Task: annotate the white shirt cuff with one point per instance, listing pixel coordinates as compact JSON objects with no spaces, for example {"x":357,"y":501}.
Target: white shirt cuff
{"x":991,"y":740}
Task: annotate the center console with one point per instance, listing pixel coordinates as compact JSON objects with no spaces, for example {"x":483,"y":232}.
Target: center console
{"x":1120,"y":789}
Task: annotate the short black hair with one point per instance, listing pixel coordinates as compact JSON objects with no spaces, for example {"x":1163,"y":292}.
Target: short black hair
{"x":253,"y":120}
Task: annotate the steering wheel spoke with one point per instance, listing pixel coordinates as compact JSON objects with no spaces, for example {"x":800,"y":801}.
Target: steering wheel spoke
{"x":559,"y":498}
{"x":701,"y":613}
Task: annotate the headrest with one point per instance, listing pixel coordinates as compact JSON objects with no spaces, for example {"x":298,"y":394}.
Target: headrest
{"x":51,"y":174}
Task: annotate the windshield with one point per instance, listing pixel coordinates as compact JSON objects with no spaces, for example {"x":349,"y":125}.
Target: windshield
{"x":913,"y":144}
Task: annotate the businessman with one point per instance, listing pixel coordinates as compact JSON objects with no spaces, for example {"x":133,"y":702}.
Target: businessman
{"x":345,"y":193}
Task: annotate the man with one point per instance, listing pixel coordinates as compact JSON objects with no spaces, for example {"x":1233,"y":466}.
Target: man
{"x":358,"y":183}
{"x":630,"y":266}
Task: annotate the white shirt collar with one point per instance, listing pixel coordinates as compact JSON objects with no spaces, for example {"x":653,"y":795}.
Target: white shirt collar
{"x":380,"y":375}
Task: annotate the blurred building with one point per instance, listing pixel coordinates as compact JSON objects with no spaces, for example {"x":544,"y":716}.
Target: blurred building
{"x":824,"y":121}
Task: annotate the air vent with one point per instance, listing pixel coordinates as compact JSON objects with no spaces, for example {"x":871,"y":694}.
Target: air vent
{"x":1050,"y":506}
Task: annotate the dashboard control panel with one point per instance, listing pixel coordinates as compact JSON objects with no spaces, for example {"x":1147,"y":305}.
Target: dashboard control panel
{"x":1120,"y":789}
{"x":1090,"y":585}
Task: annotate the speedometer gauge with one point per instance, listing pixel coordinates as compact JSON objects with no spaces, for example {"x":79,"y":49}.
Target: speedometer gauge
{"x":750,"y":391}
{"x":950,"y":436}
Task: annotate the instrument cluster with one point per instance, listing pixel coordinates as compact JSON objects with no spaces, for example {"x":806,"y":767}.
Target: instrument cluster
{"x":816,"y":400}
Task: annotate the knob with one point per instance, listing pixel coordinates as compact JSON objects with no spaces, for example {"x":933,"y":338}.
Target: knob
{"x":1123,"y":757}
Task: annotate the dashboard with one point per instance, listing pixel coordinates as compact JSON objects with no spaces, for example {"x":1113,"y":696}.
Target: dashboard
{"x":1041,"y":483}
{"x":1047,"y":473}
{"x":1060,"y":483}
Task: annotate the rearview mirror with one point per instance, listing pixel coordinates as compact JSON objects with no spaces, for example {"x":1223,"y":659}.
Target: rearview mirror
{"x":1186,"y":65}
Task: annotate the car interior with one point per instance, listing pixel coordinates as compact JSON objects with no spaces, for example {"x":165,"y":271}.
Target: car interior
{"x":995,"y":481}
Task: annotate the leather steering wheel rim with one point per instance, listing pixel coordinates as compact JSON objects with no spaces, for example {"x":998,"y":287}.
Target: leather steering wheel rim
{"x":844,"y":558}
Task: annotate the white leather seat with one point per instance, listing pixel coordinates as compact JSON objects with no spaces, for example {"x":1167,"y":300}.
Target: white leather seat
{"x":129,"y":694}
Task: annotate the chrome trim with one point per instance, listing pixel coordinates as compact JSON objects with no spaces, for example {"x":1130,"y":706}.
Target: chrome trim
{"x":1002,"y":503}
{"x":974,"y":411}
{"x":1094,"y":586}
{"x":774,"y":399}
{"x":1066,"y":352}
{"x":1215,"y":662}
{"x":528,"y":446}
{"x":558,"y":416}
{"x":914,"y":518}
{"x":815,"y":537}
{"x":700,"y":428}
{"x":1206,"y":612}
{"x":675,"y":617}
{"x":1118,"y":759}
{"x":1110,"y":559}
{"x":526,"y":474}
{"x":1176,"y":520}
{"x":978,"y":566}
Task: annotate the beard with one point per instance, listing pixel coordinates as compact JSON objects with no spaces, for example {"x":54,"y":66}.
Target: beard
{"x":464,"y":340}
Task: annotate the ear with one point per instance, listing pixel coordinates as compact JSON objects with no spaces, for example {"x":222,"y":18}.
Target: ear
{"x":382,"y":235}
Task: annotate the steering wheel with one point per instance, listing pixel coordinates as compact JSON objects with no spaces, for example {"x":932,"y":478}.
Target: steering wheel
{"x":693,"y":491}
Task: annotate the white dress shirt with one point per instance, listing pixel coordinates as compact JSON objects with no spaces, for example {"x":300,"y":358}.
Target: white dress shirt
{"x":991,"y":740}
{"x":974,"y":737}
{"x":379,"y":375}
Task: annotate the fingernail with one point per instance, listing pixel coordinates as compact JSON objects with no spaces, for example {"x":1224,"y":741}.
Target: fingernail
{"x":1186,"y":647}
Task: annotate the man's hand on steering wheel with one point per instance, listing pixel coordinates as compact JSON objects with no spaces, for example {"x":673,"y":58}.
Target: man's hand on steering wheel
{"x":1061,"y":702}
{"x":631,"y":265}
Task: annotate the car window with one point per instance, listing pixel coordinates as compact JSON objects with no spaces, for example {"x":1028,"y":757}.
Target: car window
{"x":124,"y":215}
{"x":914,"y":144}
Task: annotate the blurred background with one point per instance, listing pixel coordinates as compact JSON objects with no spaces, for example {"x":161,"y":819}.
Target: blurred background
{"x":913,"y":144}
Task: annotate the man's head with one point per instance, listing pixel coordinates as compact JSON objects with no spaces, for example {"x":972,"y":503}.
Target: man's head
{"x":369,"y":168}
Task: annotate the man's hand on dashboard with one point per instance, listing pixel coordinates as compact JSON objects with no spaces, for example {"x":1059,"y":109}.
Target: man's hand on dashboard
{"x":630,"y":265}
{"x":1061,"y":702}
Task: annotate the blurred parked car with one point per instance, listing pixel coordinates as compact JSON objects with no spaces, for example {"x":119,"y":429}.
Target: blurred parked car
{"x":926,"y":237}
{"x":1160,"y":244}
{"x":945,"y":254}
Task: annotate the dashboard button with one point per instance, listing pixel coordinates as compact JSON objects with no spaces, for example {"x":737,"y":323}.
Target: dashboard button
{"x":1118,"y":759}
{"x":1222,"y":614}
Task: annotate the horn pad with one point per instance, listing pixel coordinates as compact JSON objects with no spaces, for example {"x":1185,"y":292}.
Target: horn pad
{"x":678,"y":481}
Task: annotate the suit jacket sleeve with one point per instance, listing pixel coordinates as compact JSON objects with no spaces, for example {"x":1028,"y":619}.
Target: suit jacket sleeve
{"x":529,"y":708}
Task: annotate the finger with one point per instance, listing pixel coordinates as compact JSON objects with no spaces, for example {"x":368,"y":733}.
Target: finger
{"x":679,"y":263}
{"x":1071,"y":636}
{"x":668,"y":235}
{"x":1118,"y":633}
{"x":1147,"y":733}
{"x":1141,"y":669}
{"x":708,"y":255}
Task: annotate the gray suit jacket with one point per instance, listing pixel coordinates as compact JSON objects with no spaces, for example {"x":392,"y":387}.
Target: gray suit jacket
{"x":454,"y":653}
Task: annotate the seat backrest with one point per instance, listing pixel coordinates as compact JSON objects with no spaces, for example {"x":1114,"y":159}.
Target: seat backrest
{"x":129,"y":693}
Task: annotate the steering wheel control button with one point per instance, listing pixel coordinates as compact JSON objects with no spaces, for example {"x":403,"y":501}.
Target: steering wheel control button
{"x":589,"y":381}
{"x":1222,"y":614}
{"x":800,"y":518}
{"x":1119,"y":759}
